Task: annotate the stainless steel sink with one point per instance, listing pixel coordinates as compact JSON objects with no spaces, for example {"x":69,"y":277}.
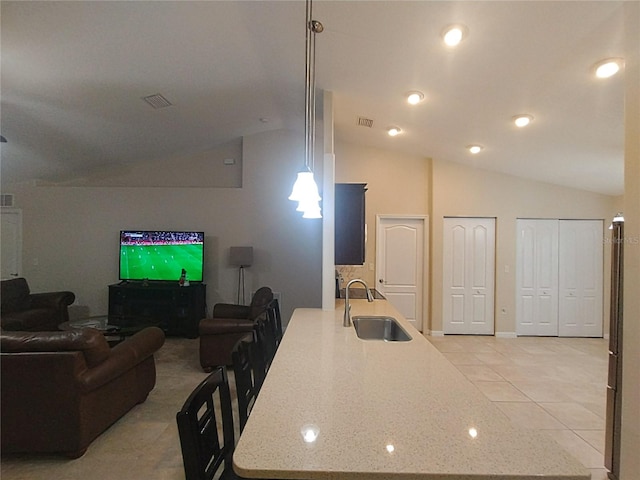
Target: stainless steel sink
{"x":379,"y":328}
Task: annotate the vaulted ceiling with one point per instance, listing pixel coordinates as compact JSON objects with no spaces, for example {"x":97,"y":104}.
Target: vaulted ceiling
{"x":74,"y":74}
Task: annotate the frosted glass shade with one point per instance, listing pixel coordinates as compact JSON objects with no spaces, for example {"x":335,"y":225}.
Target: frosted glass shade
{"x":305,"y":188}
{"x":305,"y":192}
{"x":309,"y":208}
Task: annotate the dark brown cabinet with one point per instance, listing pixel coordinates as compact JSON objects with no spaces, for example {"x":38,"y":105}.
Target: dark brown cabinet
{"x":177,"y":310}
{"x":350,"y":223}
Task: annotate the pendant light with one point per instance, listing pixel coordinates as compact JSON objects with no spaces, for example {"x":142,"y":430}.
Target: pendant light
{"x":305,"y":189}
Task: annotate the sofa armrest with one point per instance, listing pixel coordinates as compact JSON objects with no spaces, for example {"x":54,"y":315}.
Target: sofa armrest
{"x":229,"y":310}
{"x":51,"y":299}
{"x":9,"y":323}
{"x":123,"y":357}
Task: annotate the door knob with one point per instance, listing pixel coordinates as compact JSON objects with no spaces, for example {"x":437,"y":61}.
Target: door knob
{"x":380,"y":281}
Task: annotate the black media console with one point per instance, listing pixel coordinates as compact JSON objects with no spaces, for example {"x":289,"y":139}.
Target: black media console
{"x":177,"y":310}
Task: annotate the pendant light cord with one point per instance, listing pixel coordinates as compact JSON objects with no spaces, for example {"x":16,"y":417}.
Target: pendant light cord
{"x":307,"y":87}
{"x":312,"y":27}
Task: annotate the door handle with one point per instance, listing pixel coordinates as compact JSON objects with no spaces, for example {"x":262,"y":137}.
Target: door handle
{"x":380,"y":280}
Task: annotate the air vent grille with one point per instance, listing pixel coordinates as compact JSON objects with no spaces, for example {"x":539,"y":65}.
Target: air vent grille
{"x":6,"y":200}
{"x":365,"y":122}
{"x":157,"y":101}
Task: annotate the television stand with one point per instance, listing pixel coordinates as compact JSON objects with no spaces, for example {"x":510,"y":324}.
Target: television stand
{"x":177,"y":310}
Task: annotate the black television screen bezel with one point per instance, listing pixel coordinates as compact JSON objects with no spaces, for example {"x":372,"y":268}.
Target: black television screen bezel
{"x":133,"y":230}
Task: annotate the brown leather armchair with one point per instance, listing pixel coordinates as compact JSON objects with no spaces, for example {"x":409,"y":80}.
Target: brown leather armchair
{"x":229,"y":324}
{"x":25,"y":311}
{"x":61,"y":390}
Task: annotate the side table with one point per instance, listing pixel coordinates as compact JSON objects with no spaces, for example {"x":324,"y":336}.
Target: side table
{"x":112,"y":333}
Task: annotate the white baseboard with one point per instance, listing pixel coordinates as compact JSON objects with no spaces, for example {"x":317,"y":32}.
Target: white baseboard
{"x":435,"y":333}
{"x":506,"y":335}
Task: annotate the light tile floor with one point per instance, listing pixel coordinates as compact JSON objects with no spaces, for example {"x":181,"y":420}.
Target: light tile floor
{"x":555,"y":385}
{"x":550,"y":384}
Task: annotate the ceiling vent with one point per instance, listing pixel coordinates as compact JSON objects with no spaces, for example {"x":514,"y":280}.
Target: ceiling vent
{"x":6,"y":200}
{"x":157,"y":101}
{"x":365,"y":122}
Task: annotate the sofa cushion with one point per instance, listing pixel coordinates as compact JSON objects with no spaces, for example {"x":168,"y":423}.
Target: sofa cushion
{"x":26,"y":319}
{"x":14,"y":295}
{"x":89,"y":341}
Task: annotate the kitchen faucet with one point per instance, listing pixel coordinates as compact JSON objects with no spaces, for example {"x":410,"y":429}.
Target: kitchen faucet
{"x":347,"y":308}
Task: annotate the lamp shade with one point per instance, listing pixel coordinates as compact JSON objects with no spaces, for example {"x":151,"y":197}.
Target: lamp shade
{"x":241,"y":256}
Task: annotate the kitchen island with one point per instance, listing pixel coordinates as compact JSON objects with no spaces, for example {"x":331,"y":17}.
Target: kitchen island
{"x":334,"y":406}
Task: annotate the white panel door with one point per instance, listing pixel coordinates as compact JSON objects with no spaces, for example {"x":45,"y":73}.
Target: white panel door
{"x":11,"y":243}
{"x":580,"y":278}
{"x":537,"y":277}
{"x":400,"y":264}
{"x":468,"y":276}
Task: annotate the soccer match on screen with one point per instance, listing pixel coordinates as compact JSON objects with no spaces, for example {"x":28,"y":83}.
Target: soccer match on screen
{"x":161,"y":255}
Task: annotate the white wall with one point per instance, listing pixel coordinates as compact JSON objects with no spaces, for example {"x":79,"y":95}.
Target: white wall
{"x":70,"y":234}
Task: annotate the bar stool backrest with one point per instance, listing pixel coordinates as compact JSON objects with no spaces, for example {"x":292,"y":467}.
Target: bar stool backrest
{"x":205,"y":426}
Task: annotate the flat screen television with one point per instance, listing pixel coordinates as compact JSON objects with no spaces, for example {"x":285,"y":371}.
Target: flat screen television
{"x":160,"y":255}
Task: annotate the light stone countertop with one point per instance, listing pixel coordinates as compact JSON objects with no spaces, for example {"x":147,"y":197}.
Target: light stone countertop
{"x":382,"y":410}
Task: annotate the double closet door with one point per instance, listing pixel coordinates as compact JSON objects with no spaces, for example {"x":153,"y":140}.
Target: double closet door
{"x":559,"y":278}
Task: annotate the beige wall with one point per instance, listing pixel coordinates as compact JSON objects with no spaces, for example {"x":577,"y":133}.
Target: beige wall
{"x":630,"y":460}
{"x":203,"y":169}
{"x":404,"y":184}
{"x":397,"y":184}
{"x":70,"y":234}
{"x":462,"y":191}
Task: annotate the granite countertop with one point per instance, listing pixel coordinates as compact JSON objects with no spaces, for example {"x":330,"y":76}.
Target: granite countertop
{"x":335,"y":406}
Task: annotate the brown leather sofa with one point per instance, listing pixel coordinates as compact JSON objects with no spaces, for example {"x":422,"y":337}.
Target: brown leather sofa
{"x":25,"y":311}
{"x":229,"y":324}
{"x":60,"y":390}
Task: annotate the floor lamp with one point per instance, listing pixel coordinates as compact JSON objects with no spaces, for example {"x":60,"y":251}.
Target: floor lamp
{"x":241,"y":257}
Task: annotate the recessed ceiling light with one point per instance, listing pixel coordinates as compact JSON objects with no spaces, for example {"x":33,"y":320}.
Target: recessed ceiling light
{"x":393,"y":131}
{"x":475,"y":148}
{"x":454,"y":34}
{"x":522,"y":120}
{"x":608,"y":67}
{"x":415,"y":97}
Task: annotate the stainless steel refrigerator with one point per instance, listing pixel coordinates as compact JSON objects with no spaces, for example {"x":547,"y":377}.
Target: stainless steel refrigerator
{"x":614,"y":383}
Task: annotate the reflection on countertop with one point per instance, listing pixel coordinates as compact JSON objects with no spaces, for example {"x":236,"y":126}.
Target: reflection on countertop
{"x":359,"y":293}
